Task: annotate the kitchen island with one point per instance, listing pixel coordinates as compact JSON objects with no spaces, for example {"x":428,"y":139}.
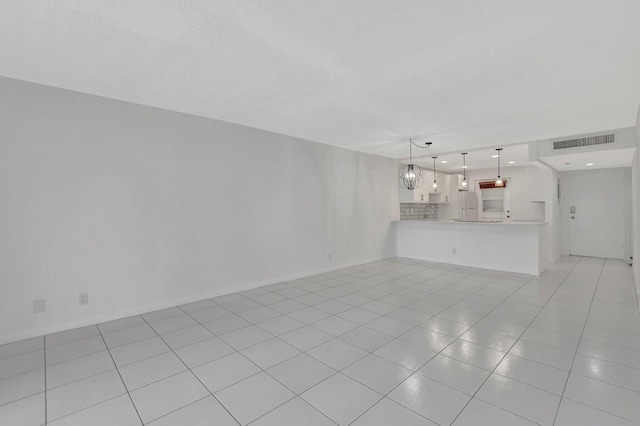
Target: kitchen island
{"x":504,"y":246}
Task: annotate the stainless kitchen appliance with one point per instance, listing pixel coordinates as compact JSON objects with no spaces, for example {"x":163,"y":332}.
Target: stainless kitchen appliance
{"x":468,"y":206}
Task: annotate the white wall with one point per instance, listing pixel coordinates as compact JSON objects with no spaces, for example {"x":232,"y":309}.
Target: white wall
{"x":145,"y":208}
{"x":635,"y":184}
{"x":635,"y":194}
{"x":527,"y":183}
{"x":554,"y":219}
{"x":531,"y":183}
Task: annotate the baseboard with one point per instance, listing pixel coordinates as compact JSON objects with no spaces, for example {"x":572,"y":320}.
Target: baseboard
{"x":532,"y":272}
{"x":97,"y":319}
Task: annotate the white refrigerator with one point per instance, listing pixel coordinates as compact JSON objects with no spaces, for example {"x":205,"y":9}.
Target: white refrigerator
{"x":468,"y":206}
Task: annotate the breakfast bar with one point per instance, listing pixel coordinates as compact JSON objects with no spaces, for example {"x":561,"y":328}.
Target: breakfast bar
{"x":505,"y":246}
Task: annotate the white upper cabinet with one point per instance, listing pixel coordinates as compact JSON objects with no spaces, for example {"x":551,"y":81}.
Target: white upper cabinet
{"x":442,"y":194}
{"x":419,"y":195}
{"x":426,"y":193}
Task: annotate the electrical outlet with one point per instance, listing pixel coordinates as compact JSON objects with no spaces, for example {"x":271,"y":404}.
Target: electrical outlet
{"x":453,"y":251}
{"x":83,"y":298}
{"x":39,"y":306}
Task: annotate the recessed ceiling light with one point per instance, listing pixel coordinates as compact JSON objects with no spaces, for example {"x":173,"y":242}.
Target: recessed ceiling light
{"x":444,"y":162}
{"x":589,"y":164}
{"x":512,"y":162}
{"x":494,"y":156}
{"x":464,"y":167}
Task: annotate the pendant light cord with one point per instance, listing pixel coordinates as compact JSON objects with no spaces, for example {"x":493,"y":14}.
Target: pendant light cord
{"x":410,"y":152}
{"x":464,"y":165}
{"x":411,"y":142}
{"x":434,"y":172}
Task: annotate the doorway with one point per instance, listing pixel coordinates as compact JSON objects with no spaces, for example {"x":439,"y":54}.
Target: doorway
{"x":596,"y":213}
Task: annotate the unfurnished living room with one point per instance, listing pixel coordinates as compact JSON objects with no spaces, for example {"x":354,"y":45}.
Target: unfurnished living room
{"x":318,"y":213}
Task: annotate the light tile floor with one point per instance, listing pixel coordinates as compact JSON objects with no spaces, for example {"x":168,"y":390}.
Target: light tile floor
{"x":393,"y":342}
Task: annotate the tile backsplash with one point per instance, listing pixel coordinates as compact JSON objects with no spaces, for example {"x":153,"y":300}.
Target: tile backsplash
{"x":418,"y":211}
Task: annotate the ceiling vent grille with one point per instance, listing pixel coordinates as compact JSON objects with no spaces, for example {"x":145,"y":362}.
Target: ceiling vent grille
{"x":591,"y":140}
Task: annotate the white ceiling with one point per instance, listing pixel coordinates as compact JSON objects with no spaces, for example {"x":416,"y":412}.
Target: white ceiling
{"x":591,"y":160}
{"x":475,"y":159}
{"x":361,"y":74}
{"x":518,"y":155}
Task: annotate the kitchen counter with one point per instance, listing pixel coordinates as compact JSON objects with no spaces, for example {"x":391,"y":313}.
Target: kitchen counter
{"x":515,"y":246}
{"x":480,"y":222}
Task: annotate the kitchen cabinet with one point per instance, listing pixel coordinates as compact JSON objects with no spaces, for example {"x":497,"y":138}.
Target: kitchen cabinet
{"x":426,"y":193}
{"x":419,"y":195}
{"x":442,"y":194}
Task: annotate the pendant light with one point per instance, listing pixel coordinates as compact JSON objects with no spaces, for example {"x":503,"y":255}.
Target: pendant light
{"x":464,"y":184}
{"x":410,"y":176}
{"x":435,"y":184}
{"x":499,"y":181}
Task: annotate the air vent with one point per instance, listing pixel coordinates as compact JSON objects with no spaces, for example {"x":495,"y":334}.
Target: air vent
{"x":591,"y":140}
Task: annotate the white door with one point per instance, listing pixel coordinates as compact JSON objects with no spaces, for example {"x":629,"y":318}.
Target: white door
{"x":596,"y":214}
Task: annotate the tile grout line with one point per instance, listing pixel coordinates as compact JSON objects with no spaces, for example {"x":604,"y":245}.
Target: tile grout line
{"x":449,"y":284}
{"x":95,"y":352}
{"x":179,"y":408}
{"x":22,"y":372}
{"x":610,"y":362}
{"x":95,"y":374}
{"x":458,"y":338}
{"x":79,"y":380}
{"x":589,"y":356}
{"x":21,"y":353}
{"x":296,"y":395}
{"x":78,"y":357}
{"x":560,"y":284}
{"x":88,"y":407}
{"x":120,"y":375}
{"x":171,"y":350}
{"x":568,"y":371}
{"x":358,"y":325}
{"x":398,"y":307}
{"x":511,"y":347}
{"x":192,"y":373}
{"x":555,"y":418}
{"x":444,"y":348}
{"x":601,"y":410}
{"x":256,"y":324}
